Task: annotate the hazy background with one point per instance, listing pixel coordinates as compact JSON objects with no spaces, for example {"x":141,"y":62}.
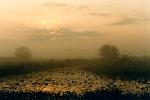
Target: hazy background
{"x":74,"y":28}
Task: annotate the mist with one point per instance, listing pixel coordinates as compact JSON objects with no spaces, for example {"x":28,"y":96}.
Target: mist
{"x":71,"y":29}
{"x":74,"y":49}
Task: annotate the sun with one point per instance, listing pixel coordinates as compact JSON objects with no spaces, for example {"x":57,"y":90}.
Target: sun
{"x":49,"y":23}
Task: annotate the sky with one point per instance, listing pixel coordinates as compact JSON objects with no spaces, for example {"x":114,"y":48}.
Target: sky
{"x":74,"y":28}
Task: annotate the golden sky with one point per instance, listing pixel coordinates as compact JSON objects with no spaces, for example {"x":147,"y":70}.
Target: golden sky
{"x":51,"y":26}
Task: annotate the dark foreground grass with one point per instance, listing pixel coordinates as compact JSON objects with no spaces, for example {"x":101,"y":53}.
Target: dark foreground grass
{"x":16,"y":67}
{"x":97,"y":95}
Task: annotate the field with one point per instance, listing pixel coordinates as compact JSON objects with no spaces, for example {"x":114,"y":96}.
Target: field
{"x":67,"y":80}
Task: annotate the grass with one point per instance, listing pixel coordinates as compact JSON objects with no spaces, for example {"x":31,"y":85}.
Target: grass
{"x":97,"y":95}
{"x":128,"y":68}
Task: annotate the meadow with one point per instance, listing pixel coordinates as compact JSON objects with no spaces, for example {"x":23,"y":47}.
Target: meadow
{"x":74,"y":79}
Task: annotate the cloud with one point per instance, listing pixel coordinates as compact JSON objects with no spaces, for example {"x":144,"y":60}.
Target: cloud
{"x":68,"y":33}
{"x":131,"y":20}
{"x":82,"y":7}
{"x":67,"y":7}
{"x":60,"y":34}
{"x":126,"y":21}
{"x":30,"y":30}
{"x":99,"y":14}
{"x":43,"y":34}
{"x":52,"y":4}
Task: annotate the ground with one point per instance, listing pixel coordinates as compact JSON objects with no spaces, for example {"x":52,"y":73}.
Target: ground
{"x":72,"y":80}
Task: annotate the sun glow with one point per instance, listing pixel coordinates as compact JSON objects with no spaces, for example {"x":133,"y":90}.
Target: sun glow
{"x":49,"y":23}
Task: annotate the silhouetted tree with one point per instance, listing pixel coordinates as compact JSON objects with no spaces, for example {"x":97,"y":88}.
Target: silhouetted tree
{"x":23,"y":53}
{"x":109,"y":52}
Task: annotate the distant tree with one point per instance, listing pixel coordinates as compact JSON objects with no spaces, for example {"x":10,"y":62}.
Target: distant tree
{"x":109,"y":52}
{"x":23,"y":53}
